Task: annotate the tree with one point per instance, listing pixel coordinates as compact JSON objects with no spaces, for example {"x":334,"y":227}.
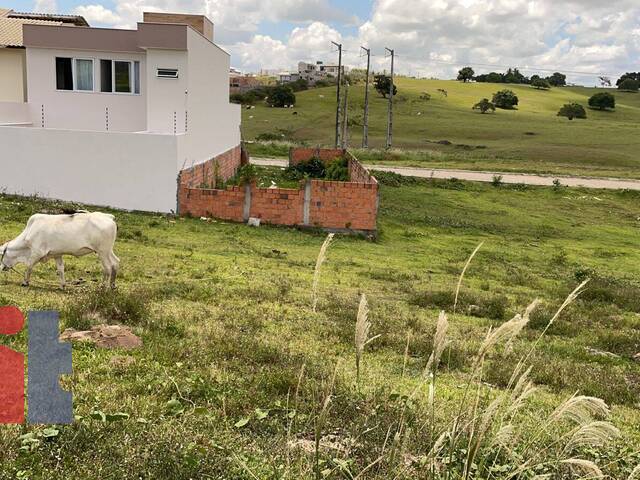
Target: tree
{"x":540,"y":83}
{"x":466,"y":74}
{"x":628,"y":75}
{"x":513,"y":75}
{"x":605,"y":81}
{"x":602,"y":101}
{"x":505,"y":99}
{"x":557,"y":80}
{"x":492,"y":77}
{"x":629,"y":85}
{"x":382,"y":84}
{"x":280,"y":96}
{"x":484,"y":106}
{"x":572,"y":110}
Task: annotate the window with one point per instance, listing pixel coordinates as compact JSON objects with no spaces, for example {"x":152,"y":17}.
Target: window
{"x":64,"y":74}
{"x":106,"y":84}
{"x":119,"y":76}
{"x":74,"y":74}
{"x":167,"y":72}
{"x":84,"y":75}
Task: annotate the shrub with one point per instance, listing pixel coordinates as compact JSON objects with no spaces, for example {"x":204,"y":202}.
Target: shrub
{"x":629,"y":85}
{"x":338,"y":170}
{"x":484,"y":106}
{"x":246,"y":174}
{"x":602,"y":101}
{"x":313,"y":168}
{"x":540,"y":84}
{"x":572,"y":110}
{"x":505,"y":99}
{"x":280,"y":96}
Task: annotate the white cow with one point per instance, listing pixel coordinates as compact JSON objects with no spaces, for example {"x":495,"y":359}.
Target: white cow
{"x":52,"y":236}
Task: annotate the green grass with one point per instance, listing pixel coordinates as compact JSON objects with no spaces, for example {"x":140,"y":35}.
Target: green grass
{"x":225,"y":314}
{"x":529,"y":139}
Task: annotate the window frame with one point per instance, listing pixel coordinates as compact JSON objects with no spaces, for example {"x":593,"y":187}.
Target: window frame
{"x":75,"y":70}
{"x":73,"y":74}
{"x":135,"y":79}
{"x":171,"y":77}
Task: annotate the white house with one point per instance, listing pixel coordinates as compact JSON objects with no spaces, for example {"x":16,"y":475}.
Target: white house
{"x":113,"y":115}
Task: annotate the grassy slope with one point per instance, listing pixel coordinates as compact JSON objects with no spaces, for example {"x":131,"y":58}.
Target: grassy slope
{"x":225,"y":316}
{"x":606,"y":144}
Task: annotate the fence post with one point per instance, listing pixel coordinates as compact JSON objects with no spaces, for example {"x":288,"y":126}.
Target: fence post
{"x":307,"y":203}
{"x":247,"y":202}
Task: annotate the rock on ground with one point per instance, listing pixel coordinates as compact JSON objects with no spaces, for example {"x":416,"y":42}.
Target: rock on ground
{"x":104,"y":336}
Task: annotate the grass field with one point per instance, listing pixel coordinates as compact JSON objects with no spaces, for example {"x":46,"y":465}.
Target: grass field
{"x":529,"y":139}
{"x":235,"y":370}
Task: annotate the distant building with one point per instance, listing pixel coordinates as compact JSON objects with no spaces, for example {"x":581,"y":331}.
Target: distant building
{"x":287,"y":77}
{"x":241,"y":83}
{"x":312,"y":72}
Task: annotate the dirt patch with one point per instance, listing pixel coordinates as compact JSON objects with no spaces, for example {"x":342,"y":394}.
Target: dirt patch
{"x":104,"y":336}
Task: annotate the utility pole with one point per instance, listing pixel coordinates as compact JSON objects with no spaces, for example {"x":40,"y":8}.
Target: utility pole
{"x":339,"y":45}
{"x":365,"y":133}
{"x":345,"y":117}
{"x":390,"y":112}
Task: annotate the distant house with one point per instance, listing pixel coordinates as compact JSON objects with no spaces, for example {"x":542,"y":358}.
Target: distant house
{"x":242,"y":83}
{"x":13,"y":79}
{"x":313,"y":72}
{"x":112,"y":116}
{"x":287,"y":77}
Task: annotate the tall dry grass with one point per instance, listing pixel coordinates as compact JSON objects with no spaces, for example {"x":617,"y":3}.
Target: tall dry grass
{"x":322,"y":256}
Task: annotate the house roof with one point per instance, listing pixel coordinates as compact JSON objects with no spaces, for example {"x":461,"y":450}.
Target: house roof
{"x":11,"y":24}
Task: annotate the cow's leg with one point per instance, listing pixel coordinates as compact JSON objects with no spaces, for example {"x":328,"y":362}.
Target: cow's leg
{"x":115,"y":266}
{"x":106,"y":267}
{"x":32,"y":262}
{"x":60,"y":268}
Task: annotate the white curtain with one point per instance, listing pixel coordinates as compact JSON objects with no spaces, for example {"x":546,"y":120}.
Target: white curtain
{"x":84,"y":74}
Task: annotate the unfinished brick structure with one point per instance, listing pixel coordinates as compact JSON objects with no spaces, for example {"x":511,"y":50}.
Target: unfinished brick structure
{"x":335,"y":206}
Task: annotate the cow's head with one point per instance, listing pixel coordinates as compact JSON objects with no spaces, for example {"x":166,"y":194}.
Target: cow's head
{"x":6,"y":259}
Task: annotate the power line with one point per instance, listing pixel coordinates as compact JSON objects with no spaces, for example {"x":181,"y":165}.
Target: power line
{"x":539,"y":69}
{"x":390,"y":112}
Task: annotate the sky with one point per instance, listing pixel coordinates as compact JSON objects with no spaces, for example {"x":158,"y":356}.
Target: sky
{"x":431,"y":38}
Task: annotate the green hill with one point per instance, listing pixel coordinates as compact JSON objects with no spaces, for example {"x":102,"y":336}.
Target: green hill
{"x":531,"y":138}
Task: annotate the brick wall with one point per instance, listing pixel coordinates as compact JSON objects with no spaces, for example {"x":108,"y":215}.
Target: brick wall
{"x":208,"y":202}
{"x":204,"y":174}
{"x":344,"y":206}
{"x":279,"y":206}
{"x":297,"y":155}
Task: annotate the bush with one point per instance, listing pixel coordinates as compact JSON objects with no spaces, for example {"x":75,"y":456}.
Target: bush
{"x":338,"y":170}
{"x":505,"y":99}
{"x":280,"y":96}
{"x":540,"y":84}
{"x":313,"y":168}
{"x":484,"y":106}
{"x":602,"y":101}
{"x":572,"y":110}
{"x":629,"y":85}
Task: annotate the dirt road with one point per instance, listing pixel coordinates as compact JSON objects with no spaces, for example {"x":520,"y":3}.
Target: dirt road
{"x":475,"y":176}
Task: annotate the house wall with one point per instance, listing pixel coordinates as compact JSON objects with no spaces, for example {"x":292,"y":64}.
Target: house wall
{"x":13,"y":86}
{"x":83,"y":110}
{"x":15,"y":113}
{"x":166,"y":95}
{"x":134,"y":171}
{"x":213,"y":125}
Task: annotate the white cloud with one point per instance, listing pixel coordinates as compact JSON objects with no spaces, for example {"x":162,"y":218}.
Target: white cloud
{"x":45,"y":6}
{"x":97,"y":14}
{"x":434,"y":37}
